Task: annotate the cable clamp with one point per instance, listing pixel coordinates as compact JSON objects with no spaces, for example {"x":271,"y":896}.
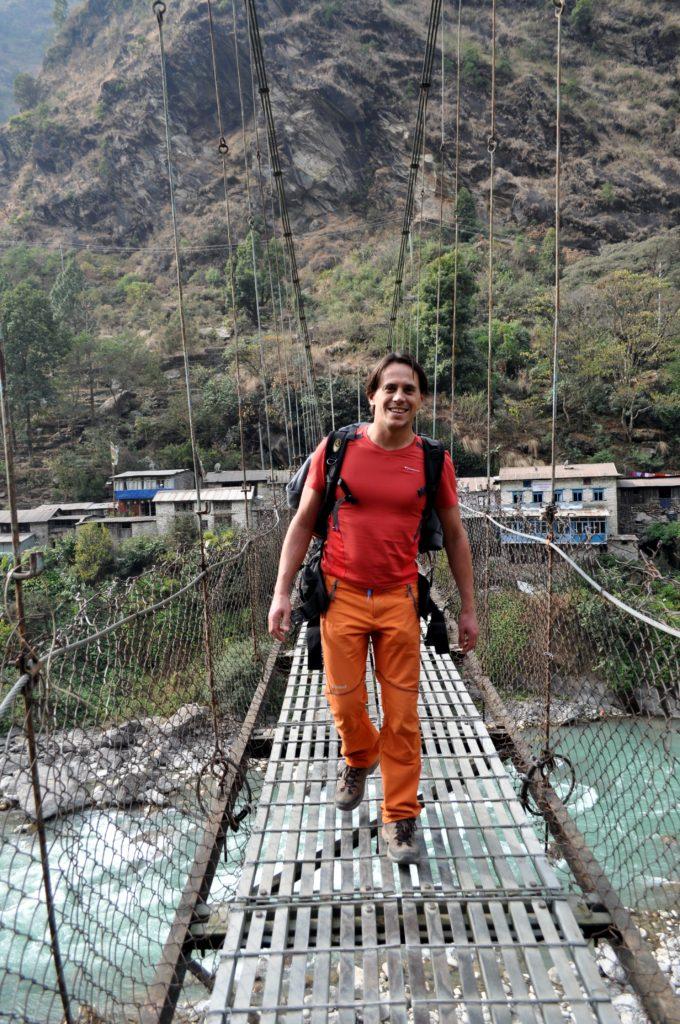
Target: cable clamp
{"x":223,"y":147}
{"x":159,"y":9}
{"x":559,"y":7}
{"x":491,"y":144}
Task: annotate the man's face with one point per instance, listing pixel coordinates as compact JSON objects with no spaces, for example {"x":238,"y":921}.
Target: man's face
{"x":398,"y":397}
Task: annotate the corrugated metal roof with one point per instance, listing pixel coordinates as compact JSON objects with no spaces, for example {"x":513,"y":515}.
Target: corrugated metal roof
{"x":657,"y":481}
{"x":209,"y":494}
{"x":569,"y":513}
{"x":39,"y":514}
{"x":563,"y":472}
{"x":235,"y":476}
{"x":6,"y":538}
{"x":86,"y":506}
{"x":149,"y":472}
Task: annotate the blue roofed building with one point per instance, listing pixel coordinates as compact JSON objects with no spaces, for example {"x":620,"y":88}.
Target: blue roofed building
{"x":135,"y":490}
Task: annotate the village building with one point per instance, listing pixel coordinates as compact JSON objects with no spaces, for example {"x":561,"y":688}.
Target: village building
{"x":267,"y":485}
{"x":49,"y":522}
{"x":222,"y":507}
{"x":648,"y":498}
{"x":585,"y":496}
{"x":136,"y":489}
{"x":26,"y":542}
{"x":124,"y":527}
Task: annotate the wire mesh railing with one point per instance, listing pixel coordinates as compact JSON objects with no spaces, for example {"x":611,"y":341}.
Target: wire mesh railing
{"x":589,"y":677}
{"x":128,"y":756}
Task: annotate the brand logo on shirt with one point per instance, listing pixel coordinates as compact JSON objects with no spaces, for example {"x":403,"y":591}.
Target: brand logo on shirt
{"x":410,"y":469}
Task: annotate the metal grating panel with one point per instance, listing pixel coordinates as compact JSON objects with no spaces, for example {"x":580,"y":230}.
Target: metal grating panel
{"x":326,"y":929}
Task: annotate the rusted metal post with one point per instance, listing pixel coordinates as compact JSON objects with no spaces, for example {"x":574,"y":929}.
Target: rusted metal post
{"x":29,"y":664}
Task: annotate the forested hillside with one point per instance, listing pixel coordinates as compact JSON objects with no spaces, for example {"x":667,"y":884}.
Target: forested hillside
{"x":24,"y":29}
{"x":85,"y":229}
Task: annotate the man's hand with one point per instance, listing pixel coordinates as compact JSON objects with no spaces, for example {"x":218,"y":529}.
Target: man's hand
{"x":279,"y":616}
{"x":468,"y":631}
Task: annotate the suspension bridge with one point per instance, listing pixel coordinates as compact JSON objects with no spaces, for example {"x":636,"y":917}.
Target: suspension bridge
{"x":309,"y":919}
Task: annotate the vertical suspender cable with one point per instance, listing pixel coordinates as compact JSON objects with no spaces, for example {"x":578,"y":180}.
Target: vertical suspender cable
{"x":159,"y":11}
{"x":416,"y":157}
{"x":491,"y":148}
{"x":456,"y":222}
{"x":551,"y":510}
{"x":223,"y":150}
{"x":276,"y":314}
{"x":253,"y":254}
{"x":263,"y":87}
{"x":439,"y":250}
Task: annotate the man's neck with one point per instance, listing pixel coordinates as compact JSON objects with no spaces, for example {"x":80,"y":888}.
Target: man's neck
{"x":390,"y":439}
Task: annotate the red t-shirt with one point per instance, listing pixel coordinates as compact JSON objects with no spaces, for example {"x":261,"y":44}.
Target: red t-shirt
{"x":376,"y":543}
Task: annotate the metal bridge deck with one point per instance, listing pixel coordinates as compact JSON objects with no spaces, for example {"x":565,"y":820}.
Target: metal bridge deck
{"x":326,"y":929}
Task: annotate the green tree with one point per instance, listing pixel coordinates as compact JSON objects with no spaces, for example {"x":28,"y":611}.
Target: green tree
{"x":26,"y":91}
{"x":67,"y":297}
{"x":244,"y":276}
{"x":125,"y":363}
{"x":468,"y":359}
{"x":582,"y":15}
{"x":94,"y":552}
{"x":60,"y":12}
{"x":34,"y":348}
{"x":546,"y":257}
{"x":468,"y":225}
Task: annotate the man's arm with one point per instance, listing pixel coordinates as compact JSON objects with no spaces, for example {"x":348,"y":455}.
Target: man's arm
{"x":460,"y":560}
{"x":293,"y":554}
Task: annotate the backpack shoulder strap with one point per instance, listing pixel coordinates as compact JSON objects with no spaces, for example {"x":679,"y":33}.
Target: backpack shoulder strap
{"x":336,"y":446}
{"x":433,"y":453}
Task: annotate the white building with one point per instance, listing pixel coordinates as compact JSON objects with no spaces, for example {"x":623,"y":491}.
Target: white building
{"x":222,"y":506}
{"x":260,"y":481}
{"x":48,"y":522}
{"x":585,"y":495}
{"x":26,"y":542}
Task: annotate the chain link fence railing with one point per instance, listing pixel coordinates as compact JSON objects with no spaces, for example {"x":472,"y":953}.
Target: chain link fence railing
{"x":130,"y":745}
{"x":589,"y":676}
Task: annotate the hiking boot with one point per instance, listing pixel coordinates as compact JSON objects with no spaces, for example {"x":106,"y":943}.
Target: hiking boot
{"x":349,"y":791}
{"x":402,"y":842}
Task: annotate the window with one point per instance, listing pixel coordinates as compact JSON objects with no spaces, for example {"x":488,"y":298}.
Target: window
{"x":577,"y":494}
{"x":598,"y":493}
{"x":526,"y":483}
{"x":559,"y":496}
{"x":517,"y":497}
{"x":537,"y":497}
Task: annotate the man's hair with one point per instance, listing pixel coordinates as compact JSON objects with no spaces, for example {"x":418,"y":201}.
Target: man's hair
{"x":373,"y":382}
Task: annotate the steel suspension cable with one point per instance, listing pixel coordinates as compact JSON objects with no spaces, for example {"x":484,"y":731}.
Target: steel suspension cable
{"x":159,"y":8}
{"x":491,"y":149}
{"x":260,"y":184}
{"x":456,"y":229}
{"x":439,"y":246}
{"x":223,"y":151}
{"x":263,"y":86}
{"x":551,"y":510}
{"x":253,"y":254}
{"x":416,"y":157}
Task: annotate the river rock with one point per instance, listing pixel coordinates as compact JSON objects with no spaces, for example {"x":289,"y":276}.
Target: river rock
{"x":122,"y":736}
{"x":609,"y":964}
{"x":61,"y":792}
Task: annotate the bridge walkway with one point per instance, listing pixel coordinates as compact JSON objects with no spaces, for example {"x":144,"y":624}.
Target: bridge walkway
{"x":325,"y":928}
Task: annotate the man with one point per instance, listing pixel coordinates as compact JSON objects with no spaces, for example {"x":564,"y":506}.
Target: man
{"x":370,"y":570}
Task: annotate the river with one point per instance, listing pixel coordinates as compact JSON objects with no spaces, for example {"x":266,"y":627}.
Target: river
{"x":129,"y":869}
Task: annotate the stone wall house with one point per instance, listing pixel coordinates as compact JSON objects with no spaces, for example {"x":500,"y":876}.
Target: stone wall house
{"x":585,"y":495}
{"x":222,"y":507}
{"x":644,"y":500}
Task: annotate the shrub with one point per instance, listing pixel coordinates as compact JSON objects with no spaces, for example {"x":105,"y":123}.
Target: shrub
{"x":582,"y":16}
{"x":183,"y":532}
{"x":136,"y":554}
{"x":93,"y":553}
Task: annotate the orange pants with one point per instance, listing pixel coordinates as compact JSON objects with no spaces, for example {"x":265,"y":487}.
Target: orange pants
{"x":390,"y":619}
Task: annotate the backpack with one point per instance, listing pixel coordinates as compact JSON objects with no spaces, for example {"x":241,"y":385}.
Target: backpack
{"x":313,"y":598}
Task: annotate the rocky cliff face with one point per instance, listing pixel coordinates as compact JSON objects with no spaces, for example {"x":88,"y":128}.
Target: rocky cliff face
{"x":88,"y":161}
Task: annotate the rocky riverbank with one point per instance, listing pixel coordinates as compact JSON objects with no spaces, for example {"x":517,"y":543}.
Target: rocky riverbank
{"x":140,"y":762}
